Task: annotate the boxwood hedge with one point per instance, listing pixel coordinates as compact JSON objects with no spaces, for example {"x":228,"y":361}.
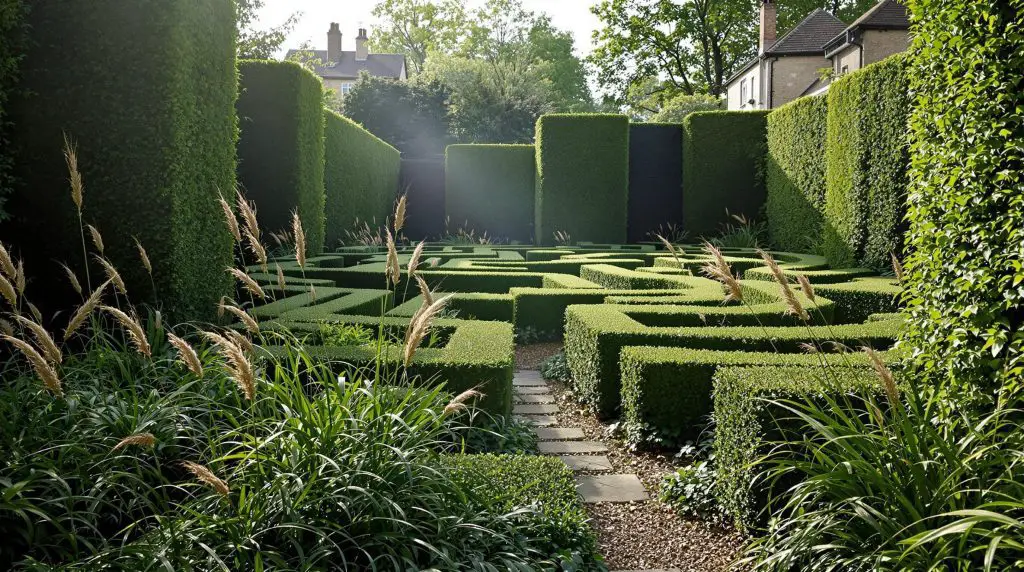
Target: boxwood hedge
{"x":281,"y":147}
{"x":490,"y":188}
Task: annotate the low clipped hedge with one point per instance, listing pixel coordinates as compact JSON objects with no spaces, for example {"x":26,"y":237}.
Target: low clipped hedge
{"x":795,"y":173}
{"x":582,"y":177}
{"x":326,"y":299}
{"x":859,"y":299}
{"x":542,"y":486}
{"x":867,"y":164}
{"x":490,"y":188}
{"x":281,"y":146}
{"x":723,"y":157}
{"x":360,"y":177}
{"x":147,"y":91}
{"x":751,"y":421}
{"x":467,"y":306}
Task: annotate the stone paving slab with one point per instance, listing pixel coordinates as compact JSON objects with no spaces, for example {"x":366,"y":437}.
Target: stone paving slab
{"x":528,"y":382}
{"x":539,"y":420}
{"x":534,"y":409}
{"x":587,"y":462}
{"x":610,"y":488}
{"x":535,"y":398}
{"x":560,"y":434}
{"x":570,"y":447}
{"x":528,"y":374}
{"x":532,"y":389}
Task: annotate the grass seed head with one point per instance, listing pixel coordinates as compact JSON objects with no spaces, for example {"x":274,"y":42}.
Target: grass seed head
{"x":43,"y":339}
{"x":718,"y":269}
{"x":248,"y":215}
{"x":229,"y":219}
{"x":400,"y":214}
{"x":244,"y":317}
{"x":206,"y":476}
{"x":414,"y":260}
{"x":75,"y":176}
{"x":7,"y":263}
{"x":138,"y":440}
{"x":897,"y":267}
{"x":239,"y":367}
{"x":46,"y":372}
{"x":793,"y":305}
{"x":112,"y":274}
{"x":143,"y":256}
{"x":300,"y":239}
{"x":280,"y":278}
{"x":806,"y":287}
{"x":247,"y":281}
{"x":135,"y":330}
{"x":73,"y":279}
{"x":892,"y":392}
{"x":458,"y":403}
{"x":419,"y":327}
{"x":393,"y":272}
{"x":85,"y":310}
{"x":187,"y":354}
{"x":97,"y":238}
{"x":8,"y":292}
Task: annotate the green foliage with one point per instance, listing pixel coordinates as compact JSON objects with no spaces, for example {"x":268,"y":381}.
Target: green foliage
{"x":675,"y":109}
{"x":503,"y":434}
{"x":491,"y":187}
{"x":556,"y":368}
{"x":741,"y":232}
{"x":282,"y":102}
{"x":866,"y":165}
{"x":331,"y":334}
{"x":691,"y":491}
{"x":12,"y":38}
{"x":416,"y":28}
{"x":151,"y":109}
{"x":966,"y":210}
{"x":361,"y":177}
{"x":582,"y":177}
{"x":256,"y":44}
{"x":723,"y":155}
{"x":795,"y":173}
{"x":412,"y":116}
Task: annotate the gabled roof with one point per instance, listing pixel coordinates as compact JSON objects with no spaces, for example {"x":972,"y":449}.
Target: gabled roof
{"x":808,"y":36}
{"x":886,"y":15}
{"x":378,"y":65}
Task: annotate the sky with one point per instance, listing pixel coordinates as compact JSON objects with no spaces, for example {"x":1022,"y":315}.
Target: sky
{"x":572,"y":15}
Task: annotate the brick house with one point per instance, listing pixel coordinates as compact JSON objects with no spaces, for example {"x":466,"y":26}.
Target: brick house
{"x":340,"y":69}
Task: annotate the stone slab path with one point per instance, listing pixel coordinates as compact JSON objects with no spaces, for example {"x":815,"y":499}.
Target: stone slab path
{"x":533,"y":401}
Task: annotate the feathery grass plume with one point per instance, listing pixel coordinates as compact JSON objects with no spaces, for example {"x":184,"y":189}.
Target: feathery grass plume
{"x":240,"y":340}
{"x":43,"y":339}
{"x":414,"y":260}
{"x":897,"y":267}
{"x":73,"y":279}
{"x":672,"y":250}
{"x":206,"y":476}
{"x":793,"y":305}
{"x":392,"y":271}
{"x":312,"y":292}
{"x":19,"y":278}
{"x":419,"y":327}
{"x":839,"y":347}
{"x":300,"y":239}
{"x":229,"y":219}
{"x":400,"y":213}
{"x":220,"y":307}
{"x":458,"y":403}
{"x":7,"y":290}
{"x":187,"y":354}
{"x":280,"y":277}
{"x":51,"y":381}
{"x":238,"y":366}
{"x":112,"y":274}
{"x":806,"y":287}
{"x":135,"y":330}
{"x":248,"y":282}
{"x":85,"y":309}
{"x":718,"y":269}
{"x":428,"y":296}
{"x":248,"y":215}
{"x":143,"y":256}
{"x":433,"y":262}
{"x":7,"y":264}
{"x":809,"y":348}
{"x":6,"y":327}
{"x":257,"y":249}
{"x":35,"y":312}
{"x":244,"y":317}
{"x":138,"y":439}
{"x":71,"y":159}
{"x":892,"y":392}
{"x":97,"y":238}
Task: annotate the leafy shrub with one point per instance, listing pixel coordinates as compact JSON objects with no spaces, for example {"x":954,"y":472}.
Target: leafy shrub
{"x":691,"y":491}
{"x":331,"y":334}
{"x":741,"y":232}
{"x":491,"y":187}
{"x":556,"y":368}
{"x":582,"y":177}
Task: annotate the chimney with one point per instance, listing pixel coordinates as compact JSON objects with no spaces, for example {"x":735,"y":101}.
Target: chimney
{"x":334,"y":43}
{"x":768,"y":20}
{"x":362,"y":51}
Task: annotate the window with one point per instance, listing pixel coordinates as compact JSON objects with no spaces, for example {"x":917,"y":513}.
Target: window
{"x":346,"y":88}
{"x":743,"y":92}
{"x":844,"y":70}
{"x":753,"y":90}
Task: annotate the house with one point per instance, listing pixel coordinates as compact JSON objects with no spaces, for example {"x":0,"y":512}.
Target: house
{"x":340,"y":69}
{"x":803,"y":61}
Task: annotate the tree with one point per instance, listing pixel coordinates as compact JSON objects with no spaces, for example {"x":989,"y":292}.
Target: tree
{"x":690,"y":46}
{"x":792,"y":11}
{"x":553,"y":50}
{"x":677,"y":108}
{"x":415,"y":28}
{"x":260,"y":44}
{"x":412,"y":116}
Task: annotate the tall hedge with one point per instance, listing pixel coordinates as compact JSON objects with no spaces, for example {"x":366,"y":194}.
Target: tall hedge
{"x":723,"y":168}
{"x":491,"y":188}
{"x":965,"y":273}
{"x":281,"y":147}
{"x":795,"y":174}
{"x":12,"y":36}
{"x":866,"y":165}
{"x":582,"y":177}
{"x":360,"y":177}
{"x":147,"y":89}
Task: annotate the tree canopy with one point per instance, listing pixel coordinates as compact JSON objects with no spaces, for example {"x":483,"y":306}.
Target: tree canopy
{"x":260,"y":44}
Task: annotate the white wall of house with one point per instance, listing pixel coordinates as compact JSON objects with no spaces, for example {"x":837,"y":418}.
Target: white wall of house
{"x":792,"y":75}
{"x":846,"y":60}
{"x":746,"y":87}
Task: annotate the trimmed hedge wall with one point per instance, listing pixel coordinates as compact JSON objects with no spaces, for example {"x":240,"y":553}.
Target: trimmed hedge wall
{"x":360,"y":177}
{"x":795,"y":173}
{"x":966,"y":206}
{"x":147,"y":89}
{"x":281,"y":148}
{"x":723,"y":157}
{"x":866,"y":165}
{"x":582,"y":177}
{"x":490,"y":188}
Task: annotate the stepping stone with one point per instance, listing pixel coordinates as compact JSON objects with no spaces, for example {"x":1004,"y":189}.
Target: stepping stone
{"x":534,"y":409}
{"x":538,"y":398}
{"x":539,"y":420}
{"x":570,"y":447}
{"x":528,"y":382}
{"x":528,"y":377}
{"x":532,"y":389}
{"x":560,"y":434}
{"x":587,"y":462}
{"x":610,"y":488}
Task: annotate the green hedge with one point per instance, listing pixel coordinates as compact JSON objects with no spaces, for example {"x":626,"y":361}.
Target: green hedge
{"x":582,"y":177}
{"x":751,"y":421}
{"x":147,"y":89}
{"x":542,"y":486}
{"x":490,"y":188}
{"x":360,"y":177}
{"x":866,"y":165}
{"x":281,"y":147}
{"x":966,"y":207}
{"x":795,"y":173}
{"x":723,"y":168}
{"x":12,"y":37}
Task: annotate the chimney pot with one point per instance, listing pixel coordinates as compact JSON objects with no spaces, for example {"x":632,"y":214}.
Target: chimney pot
{"x":362,"y":50}
{"x":769,"y":18}
{"x":334,"y":43}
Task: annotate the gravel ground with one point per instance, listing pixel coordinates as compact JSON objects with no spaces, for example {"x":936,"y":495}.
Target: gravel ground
{"x":531,"y":356}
